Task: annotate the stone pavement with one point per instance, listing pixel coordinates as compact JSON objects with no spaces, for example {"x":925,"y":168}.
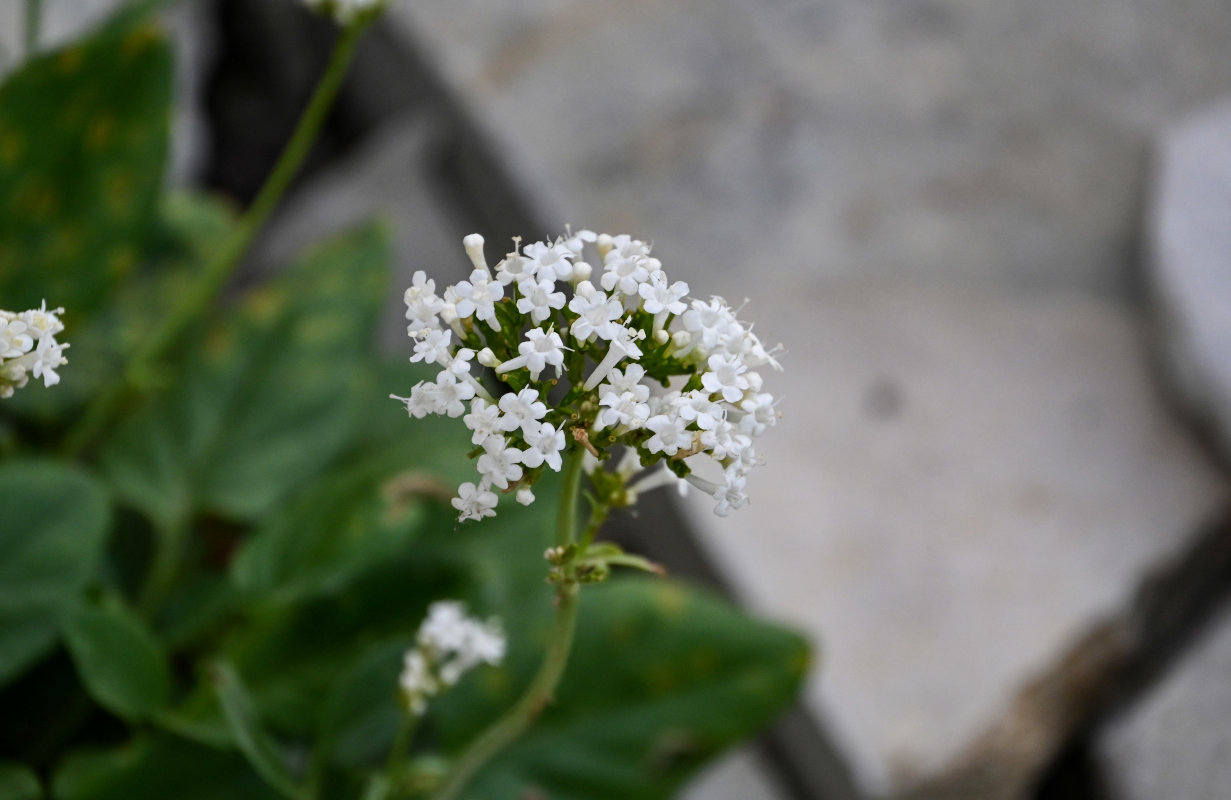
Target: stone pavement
{"x":1189,"y":236}
{"x":1175,"y":743}
{"x":934,"y":204}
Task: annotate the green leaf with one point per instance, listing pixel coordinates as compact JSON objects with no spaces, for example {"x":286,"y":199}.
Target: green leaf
{"x":268,"y":400}
{"x":364,"y":512}
{"x":105,"y":340}
{"x":662,"y":679}
{"x":119,"y":660}
{"x":361,"y":715}
{"x":252,"y":739}
{"x":52,"y":524}
{"x":83,"y":140}
{"x":18,"y":782}
{"x":157,"y":769}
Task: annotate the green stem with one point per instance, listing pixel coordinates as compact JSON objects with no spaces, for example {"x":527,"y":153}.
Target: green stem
{"x":401,"y":744}
{"x":34,"y":21}
{"x":193,"y":303}
{"x":517,"y":719}
{"x":168,"y":553}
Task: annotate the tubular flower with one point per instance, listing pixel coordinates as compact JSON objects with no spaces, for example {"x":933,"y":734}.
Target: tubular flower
{"x":28,"y":348}
{"x":640,"y":366}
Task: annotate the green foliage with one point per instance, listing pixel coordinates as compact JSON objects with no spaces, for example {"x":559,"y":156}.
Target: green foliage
{"x":258,"y":507}
{"x":18,"y":782}
{"x":267,"y":400}
{"x":250,"y":736}
{"x":157,"y":768}
{"x":83,"y":138}
{"x":119,"y":660}
{"x":698,"y":678}
{"x":52,"y":525}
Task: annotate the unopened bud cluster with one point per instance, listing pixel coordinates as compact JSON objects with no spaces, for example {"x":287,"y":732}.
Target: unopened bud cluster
{"x":448,"y":645}
{"x":643,"y":366}
{"x":28,"y":347}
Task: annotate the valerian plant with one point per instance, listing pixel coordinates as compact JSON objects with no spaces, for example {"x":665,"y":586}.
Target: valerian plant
{"x":229,"y":564}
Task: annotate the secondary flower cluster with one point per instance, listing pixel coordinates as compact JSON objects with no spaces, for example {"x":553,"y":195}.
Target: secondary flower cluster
{"x":28,"y":347}
{"x":448,"y":645}
{"x":648,"y":368}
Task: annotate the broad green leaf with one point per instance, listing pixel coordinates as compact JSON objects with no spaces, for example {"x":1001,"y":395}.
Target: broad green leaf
{"x":158,"y":769}
{"x":662,"y":678}
{"x":362,"y":714}
{"x":269,"y":398}
{"x":103,"y":341}
{"x":250,"y":736}
{"x":364,"y":512}
{"x":83,"y":139}
{"x":118,"y":659}
{"x":18,"y":782}
{"x":53,"y":520}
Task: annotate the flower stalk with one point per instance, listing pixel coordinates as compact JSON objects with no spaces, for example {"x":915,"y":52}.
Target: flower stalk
{"x":517,"y":719}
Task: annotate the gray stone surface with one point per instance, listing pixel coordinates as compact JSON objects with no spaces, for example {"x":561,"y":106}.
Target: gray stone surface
{"x":1175,"y":743}
{"x":738,"y":776}
{"x":1190,"y":262}
{"x":966,"y":491}
{"x":932,"y":138}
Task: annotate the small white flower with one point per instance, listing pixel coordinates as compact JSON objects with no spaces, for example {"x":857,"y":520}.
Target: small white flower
{"x":478,"y":296}
{"x":483,"y":420}
{"x":423,"y":307}
{"x":669,"y":434}
{"x":15,"y":340}
{"x":546,"y":442}
{"x":500,"y":464}
{"x":521,"y":410}
{"x":541,"y":349}
{"x":596,"y":314}
{"x":538,"y":299}
{"x":726,"y":375}
{"x":474,"y":502}
{"x":623,"y":345}
{"x":549,"y":262}
{"x":621,"y":408}
{"x":659,"y":298}
{"x":434,"y":347}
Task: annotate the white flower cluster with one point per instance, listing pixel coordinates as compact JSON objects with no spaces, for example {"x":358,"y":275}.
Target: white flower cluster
{"x":613,"y":330}
{"x":346,"y":11}
{"x":448,"y":645}
{"x":28,"y":347}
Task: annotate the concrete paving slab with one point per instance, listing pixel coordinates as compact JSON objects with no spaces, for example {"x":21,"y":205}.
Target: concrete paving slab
{"x":938,"y":138}
{"x":1189,"y":237}
{"x":966,"y":491}
{"x":1175,"y":743}
{"x":738,"y":776}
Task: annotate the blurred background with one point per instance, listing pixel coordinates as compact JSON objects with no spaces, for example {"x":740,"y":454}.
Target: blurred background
{"x":995,"y":240}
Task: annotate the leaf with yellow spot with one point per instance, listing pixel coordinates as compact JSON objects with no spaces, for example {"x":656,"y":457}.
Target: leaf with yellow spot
{"x":258,"y":409}
{"x":83,"y":140}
